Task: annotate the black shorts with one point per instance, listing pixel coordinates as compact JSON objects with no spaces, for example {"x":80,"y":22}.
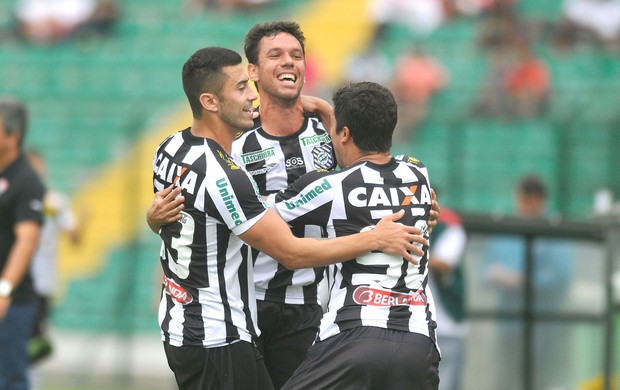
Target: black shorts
{"x":287,"y":331}
{"x":367,"y":358}
{"x":238,"y":366}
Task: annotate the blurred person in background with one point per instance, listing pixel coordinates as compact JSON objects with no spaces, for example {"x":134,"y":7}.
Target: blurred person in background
{"x":420,"y":16}
{"x":447,"y":282}
{"x":21,"y":217}
{"x":417,"y":78}
{"x":594,"y":22}
{"x":51,"y":21}
{"x":225,"y":5}
{"x":369,"y":64}
{"x":59,"y":219}
{"x":552,"y":272}
{"x":517,"y":84}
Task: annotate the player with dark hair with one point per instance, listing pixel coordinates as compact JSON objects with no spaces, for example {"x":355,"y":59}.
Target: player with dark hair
{"x":21,"y":217}
{"x":207,"y":311}
{"x":285,"y":143}
{"x":379,"y":329}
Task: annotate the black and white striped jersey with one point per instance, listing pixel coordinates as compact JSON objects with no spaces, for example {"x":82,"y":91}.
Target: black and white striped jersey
{"x":274,"y":163}
{"x":208,"y":281}
{"x":375,"y":289}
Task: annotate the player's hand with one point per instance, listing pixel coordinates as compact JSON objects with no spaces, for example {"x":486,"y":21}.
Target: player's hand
{"x":321,"y":107}
{"x":398,"y":239}
{"x":435,"y":211}
{"x":166,"y":208}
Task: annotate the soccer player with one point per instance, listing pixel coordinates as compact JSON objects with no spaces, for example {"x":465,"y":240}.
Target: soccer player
{"x":379,"y":329}
{"x":285,"y":143}
{"x":21,"y":217}
{"x":207,"y":311}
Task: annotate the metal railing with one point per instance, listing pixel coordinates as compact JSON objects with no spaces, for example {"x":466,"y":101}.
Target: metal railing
{"x":605,"y":231}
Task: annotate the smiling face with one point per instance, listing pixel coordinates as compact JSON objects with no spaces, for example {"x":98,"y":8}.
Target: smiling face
{"x":281,"y":67}
{"x":235,"y":99}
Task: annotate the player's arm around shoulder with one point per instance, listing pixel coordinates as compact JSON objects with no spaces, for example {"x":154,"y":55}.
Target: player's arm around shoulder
{"x":272,"y":236}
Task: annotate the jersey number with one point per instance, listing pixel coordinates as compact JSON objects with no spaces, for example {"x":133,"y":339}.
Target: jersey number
{"x":180,"y":265}
{"x":392,"y":273}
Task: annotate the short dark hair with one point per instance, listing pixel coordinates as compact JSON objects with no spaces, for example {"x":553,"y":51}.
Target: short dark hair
{"x":270,"y":29}
{"x":14,"y":116}
{"x":202,"y":72}
{"x":369,"y":111}
{"x":532,"y":185}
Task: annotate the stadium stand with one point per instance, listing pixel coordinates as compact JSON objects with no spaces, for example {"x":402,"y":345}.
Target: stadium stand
{"x":94,"y":99}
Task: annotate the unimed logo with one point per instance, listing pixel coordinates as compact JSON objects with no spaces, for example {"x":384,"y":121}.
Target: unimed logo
{"x":227,"y":197}
{"x":302,"y":199}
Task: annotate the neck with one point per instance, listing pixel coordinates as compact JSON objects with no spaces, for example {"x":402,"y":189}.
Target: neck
{"x":218,"y":132}
{"x":281,"y":118}
{"x":373,"y":157}
{"x":8,"y":158}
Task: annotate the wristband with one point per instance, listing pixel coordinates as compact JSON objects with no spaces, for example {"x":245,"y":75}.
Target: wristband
{"x":6,"y":288}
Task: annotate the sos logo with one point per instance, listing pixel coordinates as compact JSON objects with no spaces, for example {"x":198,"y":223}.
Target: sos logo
{"x":294,"y":162}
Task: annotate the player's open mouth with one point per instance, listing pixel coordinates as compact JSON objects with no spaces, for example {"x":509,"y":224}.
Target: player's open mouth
{"x":288,"y":77}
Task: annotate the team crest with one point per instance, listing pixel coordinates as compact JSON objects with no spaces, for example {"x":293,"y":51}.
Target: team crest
{"x":323,"y":156}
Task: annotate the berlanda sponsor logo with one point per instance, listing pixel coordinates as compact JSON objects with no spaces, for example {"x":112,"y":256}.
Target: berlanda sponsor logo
{"x":315,"y":139}
{"x":395,"y":196}
{"x":177,"y":292}
{"x":248,"y":158}
{"x":372,"y":296}
{"x":227,"y":197}
{"x":304,"y":198}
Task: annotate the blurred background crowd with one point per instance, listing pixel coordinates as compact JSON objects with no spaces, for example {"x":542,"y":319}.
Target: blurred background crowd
{"x":489,"y":91}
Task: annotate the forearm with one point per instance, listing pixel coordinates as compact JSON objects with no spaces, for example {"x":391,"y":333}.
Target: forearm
{"x":272,"y":236}
{"x":314,"y":252}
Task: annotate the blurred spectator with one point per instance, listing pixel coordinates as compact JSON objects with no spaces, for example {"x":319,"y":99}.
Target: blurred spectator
{"x":472,"y":7}
{"x":500,"y":27}
{"x":517,"y":83}
{"x":371,"y":64}
{"x":551,"y":278}
{"x":419,"y":16}
{"x":59,"y":219}
{"x":225,"y":5}
{"x":50,"y":21}
{"x":589,"y":21}
{"x":447,"y":282}
{"x":528,"y":83}
{"x":417,"y":77}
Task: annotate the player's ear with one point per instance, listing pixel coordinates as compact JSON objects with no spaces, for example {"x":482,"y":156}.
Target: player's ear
{"x":345,"y":134}
{"x":253,"y":72}
{"x":209,"y":101}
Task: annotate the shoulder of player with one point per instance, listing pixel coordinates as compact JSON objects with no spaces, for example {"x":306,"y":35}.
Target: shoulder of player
{"x":409,"y":160}
{"x":314,"y":121}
